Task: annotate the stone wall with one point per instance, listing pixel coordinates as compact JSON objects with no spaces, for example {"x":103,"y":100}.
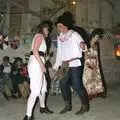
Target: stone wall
{"x":94,"y":13}
{"x":111,"y":66}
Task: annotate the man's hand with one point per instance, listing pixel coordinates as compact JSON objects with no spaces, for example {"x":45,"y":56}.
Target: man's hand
{"x":82,"y":45}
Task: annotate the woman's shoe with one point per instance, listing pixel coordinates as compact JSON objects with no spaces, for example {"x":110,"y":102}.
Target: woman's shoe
{"x":28,"y":118}
{"x":46,"y":110}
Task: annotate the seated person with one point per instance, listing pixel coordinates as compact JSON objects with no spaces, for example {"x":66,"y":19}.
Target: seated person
{"x":20,"y":77}
{"x":4,"y":89}
{"x":6,"y":65}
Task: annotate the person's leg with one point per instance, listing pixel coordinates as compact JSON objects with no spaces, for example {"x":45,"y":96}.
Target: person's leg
{"x":36,"y":79}
{"x":30,"y":103}
{"x":27,"y":88}
{"x":22,"y":91}
{"x":66,"y":93}
{"x":9,"y":83}
{"x":42,"y":102}
{"x":15,"y":91}
{"x":48,"y":80}
{"x":79,"y":88}
{"x":35,"y":91}
{"x":5,"y":92}
{"x":42,"y":97}
{"x":7,"y":86}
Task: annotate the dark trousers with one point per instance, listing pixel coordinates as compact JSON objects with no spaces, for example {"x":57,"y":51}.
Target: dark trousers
{"x":74,"y":78}
{"x":48,"y":79}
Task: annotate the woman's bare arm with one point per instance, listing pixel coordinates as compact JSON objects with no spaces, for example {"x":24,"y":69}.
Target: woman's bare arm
{"x":36,"y":46}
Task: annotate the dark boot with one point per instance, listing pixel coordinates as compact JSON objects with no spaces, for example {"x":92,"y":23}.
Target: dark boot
{"x":83,"y":109}
{"x":67,"y":108}
{"x":46,"y":110}
{"x":28,"y":118}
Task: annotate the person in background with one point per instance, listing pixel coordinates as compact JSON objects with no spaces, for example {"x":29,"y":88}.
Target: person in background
{"x":3,"y":83}
{"x":3,"y":43}
{"x":7,"y":66}
{"x":93,"y":78}
{"x":19,"y":75}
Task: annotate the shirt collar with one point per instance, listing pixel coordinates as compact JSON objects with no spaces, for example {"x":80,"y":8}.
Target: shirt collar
{"x":64,"y":37}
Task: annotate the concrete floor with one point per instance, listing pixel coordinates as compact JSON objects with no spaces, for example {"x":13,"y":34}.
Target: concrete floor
{"x":101,"y":109}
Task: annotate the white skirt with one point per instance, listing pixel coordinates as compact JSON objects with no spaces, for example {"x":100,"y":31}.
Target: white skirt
{"x":37,"y":78}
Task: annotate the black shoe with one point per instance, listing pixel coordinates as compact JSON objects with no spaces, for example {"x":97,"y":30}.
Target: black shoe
{"x":83,"y":109}
{"x":67,"y":108}
{"x":28,"y":118}
{"x":46,"y":110}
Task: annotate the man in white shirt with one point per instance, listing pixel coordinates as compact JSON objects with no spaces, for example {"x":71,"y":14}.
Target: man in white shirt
{"x":70,"y":47}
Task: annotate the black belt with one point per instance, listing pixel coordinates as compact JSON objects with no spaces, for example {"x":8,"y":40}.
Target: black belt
{"x":40,"y":53}
{"x":77,"y":58}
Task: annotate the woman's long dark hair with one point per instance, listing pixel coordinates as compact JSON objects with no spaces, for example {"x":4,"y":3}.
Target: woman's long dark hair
{"x":46,"y":24}
{"x":97,"y":31}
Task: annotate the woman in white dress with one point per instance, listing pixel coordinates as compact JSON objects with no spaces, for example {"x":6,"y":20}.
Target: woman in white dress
{"x":36,"y":70}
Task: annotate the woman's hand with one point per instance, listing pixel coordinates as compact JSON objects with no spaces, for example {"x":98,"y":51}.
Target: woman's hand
{"x":43,"y":68}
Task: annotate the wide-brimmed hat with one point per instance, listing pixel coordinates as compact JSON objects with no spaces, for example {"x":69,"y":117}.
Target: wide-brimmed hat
{"x":65,"y":20}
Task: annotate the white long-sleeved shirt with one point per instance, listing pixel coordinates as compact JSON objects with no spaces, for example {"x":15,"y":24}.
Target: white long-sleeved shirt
{"x":68,"y":48}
